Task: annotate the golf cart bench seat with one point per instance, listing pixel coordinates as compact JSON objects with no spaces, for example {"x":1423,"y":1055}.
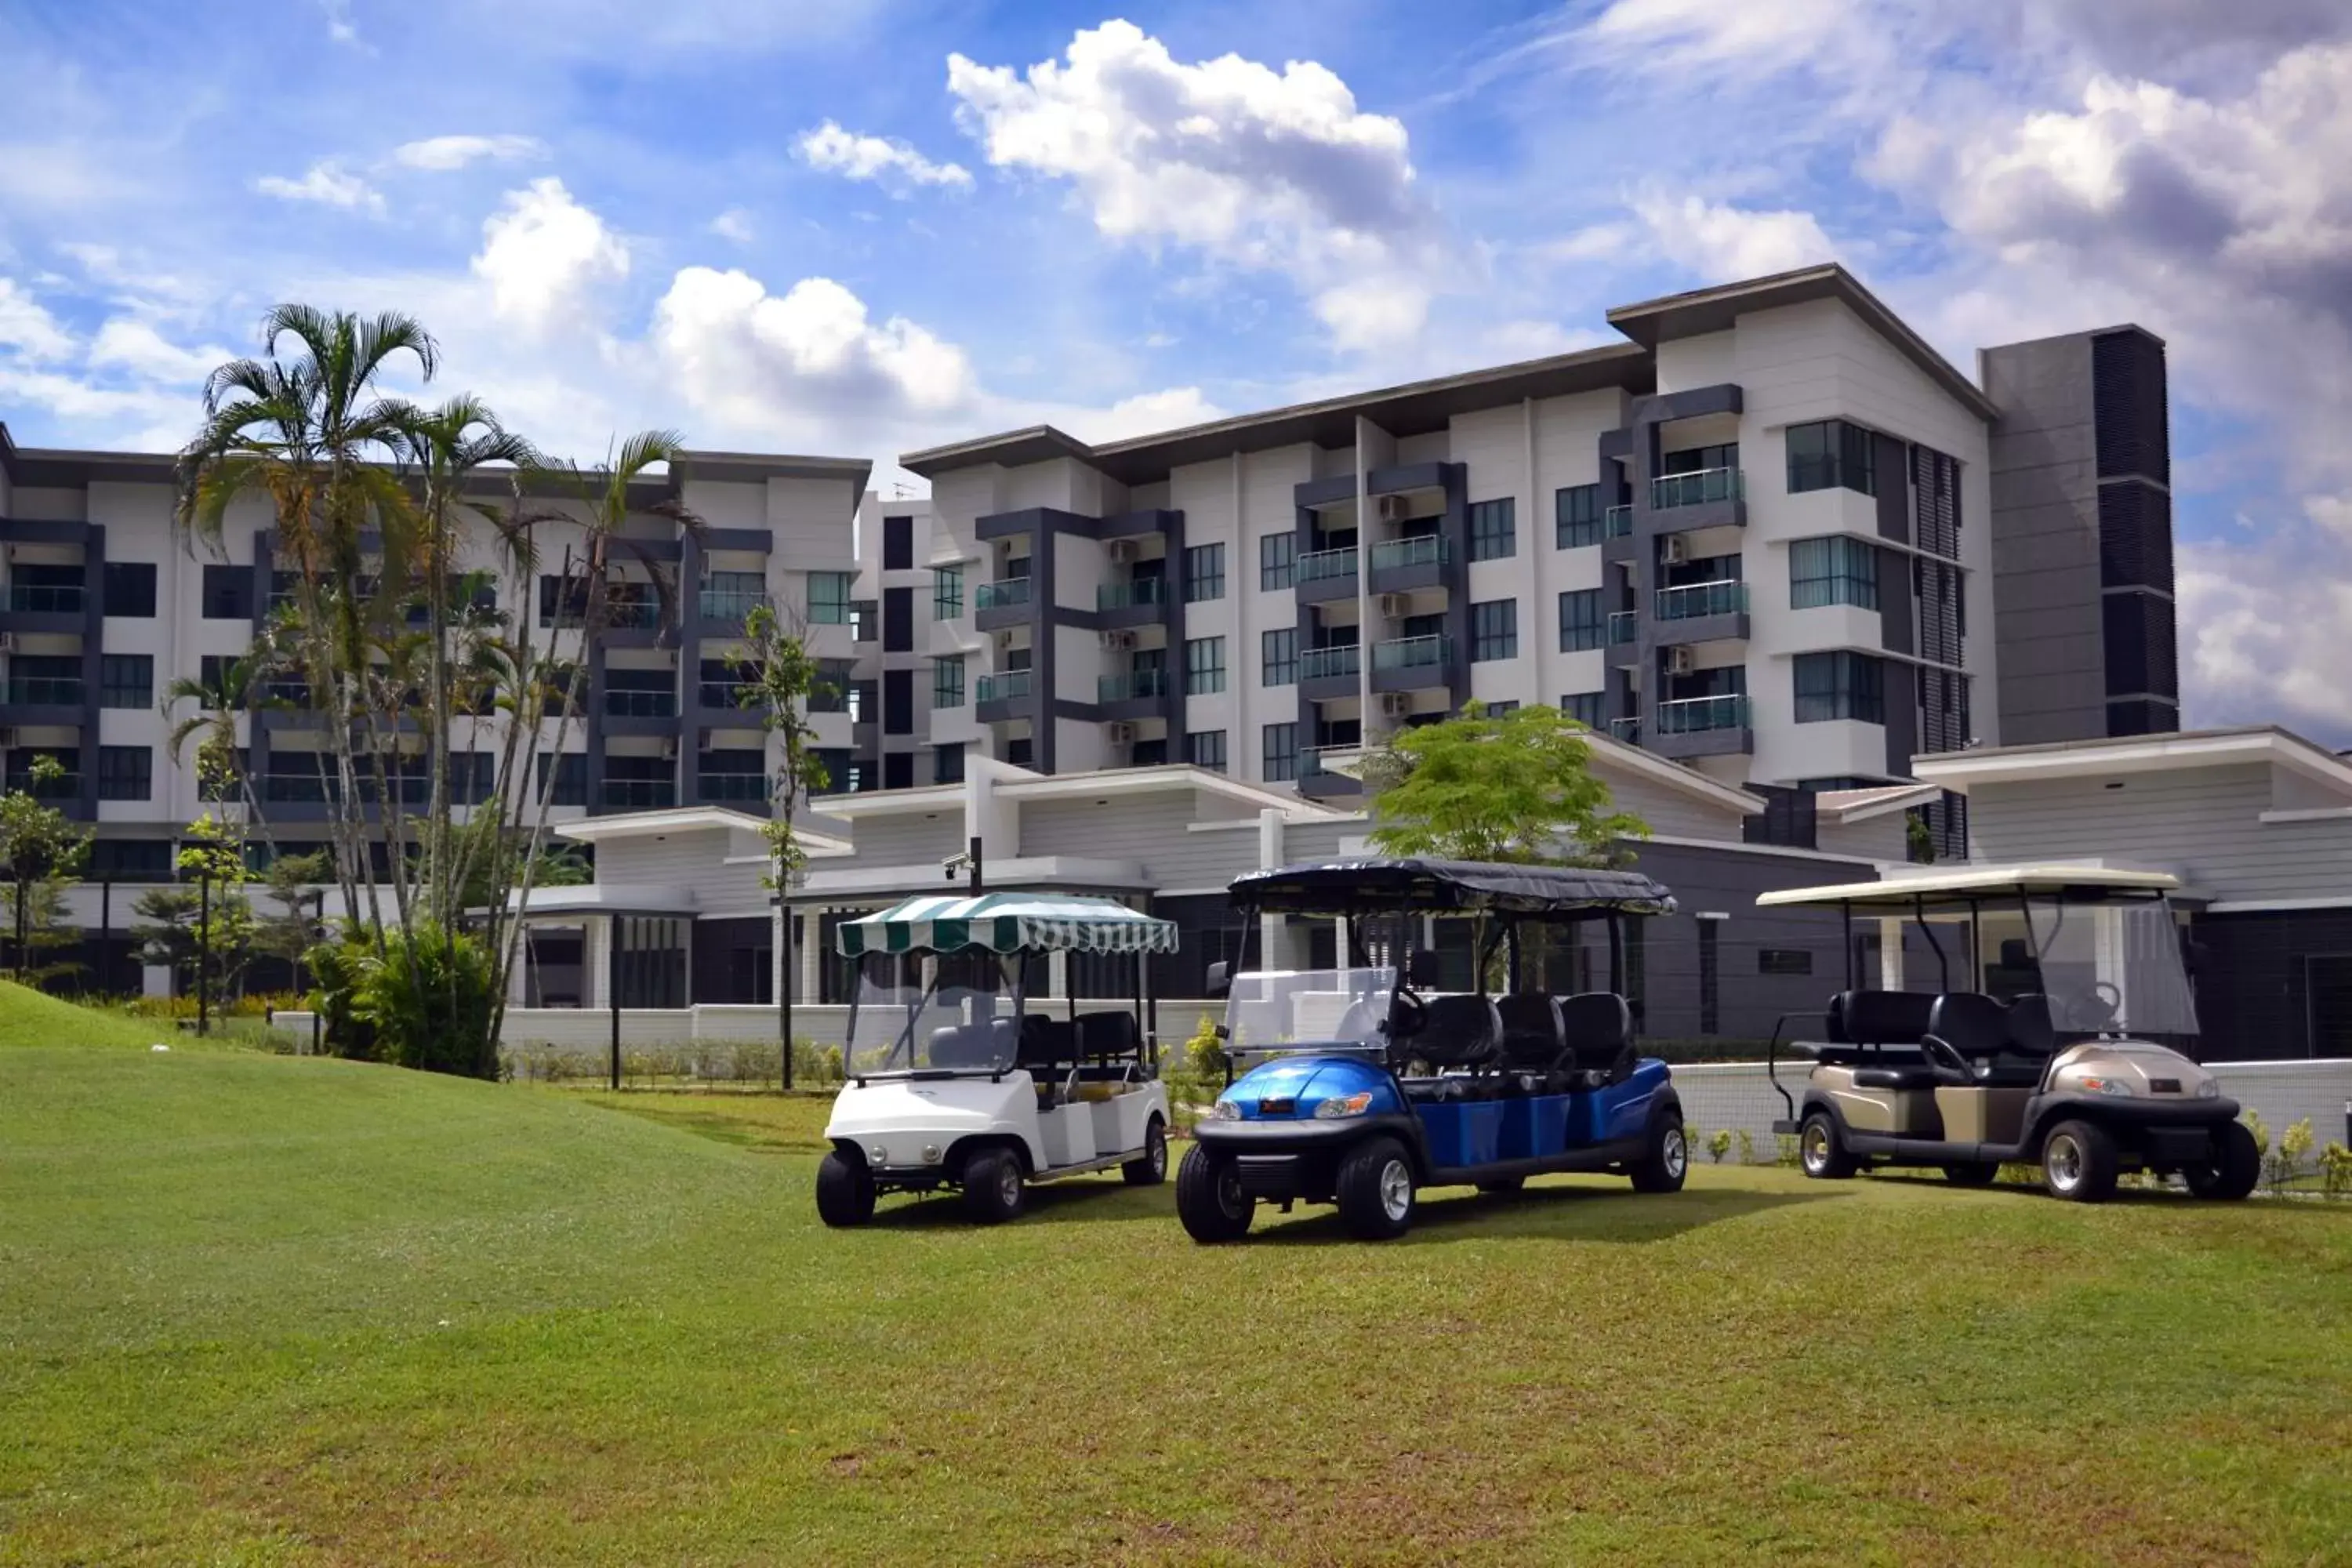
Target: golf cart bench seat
{"x":1464,"y":1031}
{"x":2009,"y":1047}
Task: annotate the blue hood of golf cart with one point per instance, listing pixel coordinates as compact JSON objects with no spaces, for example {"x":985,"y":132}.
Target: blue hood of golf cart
{"x":1307,"y":1081}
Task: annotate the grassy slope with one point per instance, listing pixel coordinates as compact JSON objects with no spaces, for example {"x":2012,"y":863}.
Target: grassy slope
{"x":28,"y":1018}
{"x":261,"y":1310}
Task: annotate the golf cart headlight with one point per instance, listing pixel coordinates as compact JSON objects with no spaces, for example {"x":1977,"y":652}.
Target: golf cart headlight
{"x":2209,"y":1089}
{"x":1224,"y":1111}
{"x":1339,"y":1107}
{"x":877,"y":1154}
{"x":2117,"y":1087}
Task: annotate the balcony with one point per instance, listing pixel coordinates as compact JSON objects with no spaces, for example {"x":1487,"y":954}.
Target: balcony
{"x":1317,"y":781}
{"x":1622,"y":628}
{"x":1325,"y":673}
{"x":1711,"y":498}
{"x":1135,"y":592}
{"x":1401,"y":566}
{"x":1701,"y":727}
{"x":628,"y":704}
{"x":47,"y":691}
{"x":1002,"y":602}
{"x":1001,"y":696}
{"x":1407,"y":664}
{"x":1629,"y":731}
{"x":47,"y":599}
{"x":1321,"y":576}
{"x":728,"y":605}
{"x":728,"y":694}
{"x":732,"y":787}
{"x":56,"y":787}
{"x":1617,"y":523}
{"x":1704,"y":612}
{"x":633,"y":615}
{"x":639,"y":794}
{"x":1135,"y":686}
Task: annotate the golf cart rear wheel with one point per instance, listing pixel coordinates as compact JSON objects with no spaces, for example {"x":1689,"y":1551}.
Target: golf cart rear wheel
{"x":1663,"y":1166}
{"x":845,"y":1192}
{"x":1821,"y":1151}
{"x":1375,"y":1190}
{"x":2231,"y":1171}
{"x":2078,"y":1163}
{"x":1209,"y":1197}
{"x":992,"y":1186}
{"x":1972,"y":1174}
{"x":1149,"y":1168}
{"x":1500,"y":1184}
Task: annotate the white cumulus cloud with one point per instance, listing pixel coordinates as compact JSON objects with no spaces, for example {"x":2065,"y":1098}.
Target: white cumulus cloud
{"x":327,"y":184}
{"x":439,"y":153}
{"x":126,"y":343}
{"x":860,"y":157}
{"x":26,"y":326}
{"x":1723,"y":242}
{"x":1252,"y":166}
{"x":544,"y":256}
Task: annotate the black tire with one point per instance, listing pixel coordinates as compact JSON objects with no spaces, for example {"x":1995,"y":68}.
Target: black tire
{"x":1667,"y":1160}
{"x":2078,"y":1163}
{"x":1149,"y":1168}
{"x":845,"y":1192}
{"x":1503,"y":1184}
{"x":1375,"y":1190}
{"x":2236,"y":1165}
{"x":1209,"y":1197}
{"x":1821,"y":1152}
{"x":993,"y":1192}
{"x":1974,"y":1174}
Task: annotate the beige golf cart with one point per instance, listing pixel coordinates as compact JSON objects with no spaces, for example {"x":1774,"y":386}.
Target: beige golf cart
{"x":2066,"y":1043}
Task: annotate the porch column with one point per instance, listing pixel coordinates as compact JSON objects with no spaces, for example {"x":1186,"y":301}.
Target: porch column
{"x":812,"y":952}
{"x":519,"y":974}
{"x":1890,"y":954}
{"x":595,"y":958}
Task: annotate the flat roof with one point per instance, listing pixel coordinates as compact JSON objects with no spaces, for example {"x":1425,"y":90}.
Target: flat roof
{"x":1904,"y":892}
{"x":2128,"y":754}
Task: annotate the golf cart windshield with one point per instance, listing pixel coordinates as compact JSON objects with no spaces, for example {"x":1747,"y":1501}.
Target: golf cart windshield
{"x":1280,"y":1009}
{"x":2112,"y":968}
{"x":955,"y":1012}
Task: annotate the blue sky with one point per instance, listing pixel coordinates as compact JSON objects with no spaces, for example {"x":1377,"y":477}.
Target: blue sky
{"x":865,"y":226}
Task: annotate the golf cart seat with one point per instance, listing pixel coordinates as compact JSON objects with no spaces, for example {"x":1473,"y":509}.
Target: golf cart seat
{"x":1044,"y":1042}
{"x":1535,"y":1037}
{"x":1108,"y":1034}
{"x":1980,"y":1029}
{"x":1461,"y":1032}
{"x":971,"y":1044}
{"x":1600,"y":1029}
{"x":1879,"y":1017}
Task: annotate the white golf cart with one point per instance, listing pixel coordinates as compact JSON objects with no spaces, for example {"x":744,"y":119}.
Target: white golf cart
{"x":956,"y":1082}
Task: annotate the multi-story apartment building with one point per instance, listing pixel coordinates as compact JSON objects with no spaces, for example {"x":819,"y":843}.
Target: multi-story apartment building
{"x":1760,"y":537}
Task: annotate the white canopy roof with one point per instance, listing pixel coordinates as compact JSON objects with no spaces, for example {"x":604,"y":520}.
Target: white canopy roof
{"x":1904,"y":892}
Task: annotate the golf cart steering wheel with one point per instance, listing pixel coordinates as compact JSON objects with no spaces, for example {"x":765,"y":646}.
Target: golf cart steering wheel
{"x":1409,"y":1016}
{"x":2105,"y":1001}
{"x":1940,"y":1053}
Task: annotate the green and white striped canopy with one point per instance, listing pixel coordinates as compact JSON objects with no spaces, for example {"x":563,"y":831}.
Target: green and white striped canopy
{"x":1007,"y":922}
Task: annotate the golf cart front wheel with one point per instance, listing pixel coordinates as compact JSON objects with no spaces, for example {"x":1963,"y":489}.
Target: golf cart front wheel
{"x":1663,"y":1166}
{"x":2078,"y":1163}
{"x":992,"y":1186}
{"x":2231,"y":1172}
{"x":1209,"y":1197}
{"x":1149,"y":1168}
{"x":845,"y":1192}
{"x":1375,"y":1190}
{"x":1821,"y":1151}
{"x":1971,"y":1174}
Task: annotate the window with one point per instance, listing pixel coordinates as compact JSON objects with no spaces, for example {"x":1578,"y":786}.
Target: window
{"x":228,"y":592}
{"x":1147,"y":753}
{"x":897,"y":620}
{"x":1584,"y":707}
{"x":1494,"y":631}
{"x":212,"y":674}
{"x":1278,"y":656}
{"x":1204,"y":573}
{"x":1275,"y":552}
{"x":898,"y":701}
{"x":947,"y":681}
{"x":1493,"y":530}
{"x":1281,"y":753}
{"x":897,"y":544}
{"x":129,"y":587}
{"x":562,"y":601}
{"x":1830,"y":454}
{"x":1709,"y":967}
{"x":947,"y":763}
{"x":865,"y":620}
{"x":1832,"y":569}
{"x":947,"y":593}
{"x":1499,"y":710}
{"x":829,"y":691}
{"x":1784,"y":961}
{"x":899,"y":770}
{"x":1699,"y":459}
{"x":1021,"y":751}
{"x":1578,"y":516}
{"x":1205,"y":665}
{"x":1840,"y":686}
{"x":126,"y":681}
{"x":128,"y":860}
{"x":125,"y":772}
{"x":1206,"y":749}
{"x":828,"y":593}
{"x":1583,"y":625}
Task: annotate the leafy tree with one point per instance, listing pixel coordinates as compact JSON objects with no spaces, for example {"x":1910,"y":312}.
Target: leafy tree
{"x":779,"y":675}
{"x":40,"y":847}
{"x":1518,"y":786}
{"x":297,"y":905}
{"x":37,"y":913}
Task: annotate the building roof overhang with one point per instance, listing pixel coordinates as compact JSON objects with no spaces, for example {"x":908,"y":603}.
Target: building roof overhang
{"x":1962,"y":771}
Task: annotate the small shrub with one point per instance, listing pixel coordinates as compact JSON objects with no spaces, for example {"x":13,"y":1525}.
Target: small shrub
{"x":2280,"y":1170}
{"x":2261,"y":1134}
{"x":429,"y":1000}
{"x":1784,"y":1151}
{"x":1747,"y":1147}
{"x":1718,"y":1144}
{"x":2335,"y":1171}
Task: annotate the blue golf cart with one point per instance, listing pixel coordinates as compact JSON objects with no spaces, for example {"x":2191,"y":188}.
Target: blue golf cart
{"x":1360,"y":1086}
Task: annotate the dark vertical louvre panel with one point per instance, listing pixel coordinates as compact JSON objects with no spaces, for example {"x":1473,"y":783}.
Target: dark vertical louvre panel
{"x":2139,"y":645}
{"x":2134,"y":536}
{"x":2127,"y":407}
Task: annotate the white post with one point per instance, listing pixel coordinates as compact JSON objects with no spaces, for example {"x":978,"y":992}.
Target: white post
{"x":596,"y":957}
{"x":812,"y":950}
{"x":1890,"y":954}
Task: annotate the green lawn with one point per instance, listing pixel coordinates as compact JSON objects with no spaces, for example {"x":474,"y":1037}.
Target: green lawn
{"x":263,"y":1310}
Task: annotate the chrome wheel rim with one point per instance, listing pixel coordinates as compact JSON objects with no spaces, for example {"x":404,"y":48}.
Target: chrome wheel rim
{"x":2063,"y":1162}
{"x":1008,"y":1186}
{"x":1396,"y":1190}
{"x":1158,"y":1155}
{"x":1676,"y":1153}
{"x":1817,"y":1148}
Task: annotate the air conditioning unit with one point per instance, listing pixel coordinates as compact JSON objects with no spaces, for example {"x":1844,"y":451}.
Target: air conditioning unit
{"x":1395,"y":606}
{"x":1395,"y":704}
{"x":1116,"y":641}
{"x":1122,"y":550}
{"x":1122,"y":734}
{"x":1675,"y":549}
{"x":1391,"y":509}
{"x":1681,"y":661}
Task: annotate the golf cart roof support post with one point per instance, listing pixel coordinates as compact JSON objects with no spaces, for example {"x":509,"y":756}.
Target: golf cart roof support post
{"x":1845,"y":913}
{"x":1511,"y":937}
{"x":1943,"y":964}
{"x":1617,"y":953}
{"x":1976,"y":943}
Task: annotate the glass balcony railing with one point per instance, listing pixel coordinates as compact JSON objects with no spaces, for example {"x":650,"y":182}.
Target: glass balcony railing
{"x":633,"y":615}
{"x":641,"y":704}
{"x":1421,"y":549}
{"x":1617,"y":523}
{"x":1134,"y":686}
{"x":640,"y":794}
{"x":729,"y":694}
{"x":1009,"y":593}
{"x":1413,"y":653}
{"x":295,"y":787}
{"x":731,"y":786}
{"x":1695,"y":715}
{"x":1321,"y":566}
{"x":46,"y":598}
{"x":1627,"y":730}
{"x":1620,"y":626}
{"x":1010,"y":686}
{"x":1324,"y":663}
{"x":1697,"y":489}
{"x":47,"y":691}
{"x":1127,"y":595}
{"x":1692,"y":600}
{"x":1311,"y":764}
{"x":728,"y":604}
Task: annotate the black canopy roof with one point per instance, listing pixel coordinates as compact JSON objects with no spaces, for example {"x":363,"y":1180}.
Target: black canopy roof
{"x":1450,"y":886}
